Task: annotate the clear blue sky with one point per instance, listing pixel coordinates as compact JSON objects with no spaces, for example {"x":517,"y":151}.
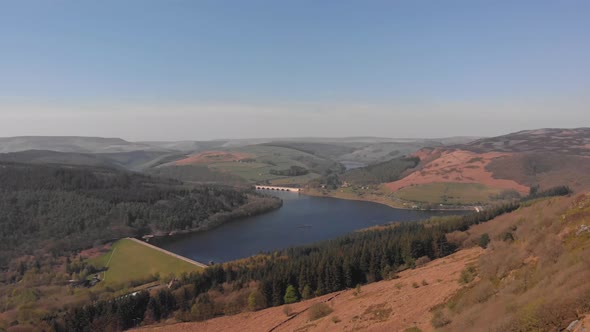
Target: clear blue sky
{"x":400,"y":62}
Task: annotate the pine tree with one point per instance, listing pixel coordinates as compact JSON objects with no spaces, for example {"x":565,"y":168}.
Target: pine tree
{"x":291,"y":295}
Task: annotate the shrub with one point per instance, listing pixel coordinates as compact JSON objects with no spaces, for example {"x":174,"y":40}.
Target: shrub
{"x":287,"y":310}
{"x":319,"y":310}
{"x":467,"y":275}
{"x":484,"y":240}
{"x":413,"y":329}
{"x":424,"y":282}
{"x":415,"y":285}
{"x":389,"y":273}
{"x":440,"y":319}
{"x":256,"y":301}
{"x":336,"y":320}
{"x":507,"y":237}
{"x":422,"y":261}
{"x":357,"y":290}
{"x":307,"y":293}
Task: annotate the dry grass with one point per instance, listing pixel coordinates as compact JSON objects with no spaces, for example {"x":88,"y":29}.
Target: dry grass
{"x":539,"y":281}
{"x":319,"y":310}
{"x":381,"y":306}
{"x":545,"y":169}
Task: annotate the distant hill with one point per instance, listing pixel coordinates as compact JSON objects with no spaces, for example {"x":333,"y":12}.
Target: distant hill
{"x":517,"y":161}
{"x":97,"y":151}
{"x":70,"y":144}
{"x":563,"y":141}
{"x":54,"y":157}
{"x":133,"y":160}
{"x":185,"y":146}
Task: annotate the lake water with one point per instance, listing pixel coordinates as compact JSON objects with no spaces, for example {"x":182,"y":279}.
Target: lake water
{"x":301,"y":220}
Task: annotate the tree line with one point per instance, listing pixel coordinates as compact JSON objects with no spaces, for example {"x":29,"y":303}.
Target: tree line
{"x":292,"y":171}
{"x":387,"y":171}
{"x":63,"y":209}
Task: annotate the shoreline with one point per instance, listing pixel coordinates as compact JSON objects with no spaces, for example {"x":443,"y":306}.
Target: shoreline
{"x":391,"y":204}
{"x":219,"y":219}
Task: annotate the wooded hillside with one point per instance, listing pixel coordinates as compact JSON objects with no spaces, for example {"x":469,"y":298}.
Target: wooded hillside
{"x":65,"y":208}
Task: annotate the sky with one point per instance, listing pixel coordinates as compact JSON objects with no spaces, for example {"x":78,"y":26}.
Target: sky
{"x":192,"y":70}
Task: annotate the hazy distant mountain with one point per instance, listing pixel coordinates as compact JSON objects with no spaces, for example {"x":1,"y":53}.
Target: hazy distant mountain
{"x":185,"y":146}
{"x":133,"y":160}
{"x":141,"y":156}
{"x":574,"y":141}
{"x":70,"y":144}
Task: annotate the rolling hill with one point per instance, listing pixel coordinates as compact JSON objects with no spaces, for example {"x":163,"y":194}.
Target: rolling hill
{"x":561,"y":141}
{"x":513,"y":162}
{"x":69,"y":144}
{"x":252,"y":164}
{"x":132,"y":160}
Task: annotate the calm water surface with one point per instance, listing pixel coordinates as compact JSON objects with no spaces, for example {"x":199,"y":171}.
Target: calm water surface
{"x":301,"y":220}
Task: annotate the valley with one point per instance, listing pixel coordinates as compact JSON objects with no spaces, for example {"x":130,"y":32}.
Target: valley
{"x":389,"y":216}
{"x":294,"y":166}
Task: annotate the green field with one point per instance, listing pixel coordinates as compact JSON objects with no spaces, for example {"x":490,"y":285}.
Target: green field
{"x":274,"y":158}
{"x":453,"y":193}
{"x":128,"y":260}
{"x":294,"y":180}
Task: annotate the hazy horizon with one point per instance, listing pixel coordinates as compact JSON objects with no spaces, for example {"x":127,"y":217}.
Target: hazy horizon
{"x":209,"y":70}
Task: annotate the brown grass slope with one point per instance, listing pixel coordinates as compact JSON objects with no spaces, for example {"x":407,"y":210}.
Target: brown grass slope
{"x":456,"y":166}
{"x":392,"y":305}
{"x":535,"y":279}
{"x":533,"y":276}
{"x":544,"y":169}
{"x":545,"y":157}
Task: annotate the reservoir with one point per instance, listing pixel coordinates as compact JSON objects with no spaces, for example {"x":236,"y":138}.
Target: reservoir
{"x":301,"y":220}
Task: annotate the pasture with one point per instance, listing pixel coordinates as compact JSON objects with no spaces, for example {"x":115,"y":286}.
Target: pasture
{"x":128,"y":261}
{"x":454,"y":193}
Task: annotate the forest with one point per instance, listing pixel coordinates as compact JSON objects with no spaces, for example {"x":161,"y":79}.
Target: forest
{"x":292,"y":171}
{"x":61,"y":209}
{"x":387,"y":171}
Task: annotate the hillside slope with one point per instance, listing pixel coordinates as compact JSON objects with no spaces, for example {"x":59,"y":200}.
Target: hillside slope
{"x":60,"y":209}
{"x":574,"y":141}
{"x":534,"y":273}
{"x":500,"y":165}
{"x":392,"y":305}
{"x":132,"y":160}
{"x":532,"y":276}
{"x":70,"y":144}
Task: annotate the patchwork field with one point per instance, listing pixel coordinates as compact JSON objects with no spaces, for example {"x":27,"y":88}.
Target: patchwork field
{"x":252,"y":164}
{"x":128,"y":260}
